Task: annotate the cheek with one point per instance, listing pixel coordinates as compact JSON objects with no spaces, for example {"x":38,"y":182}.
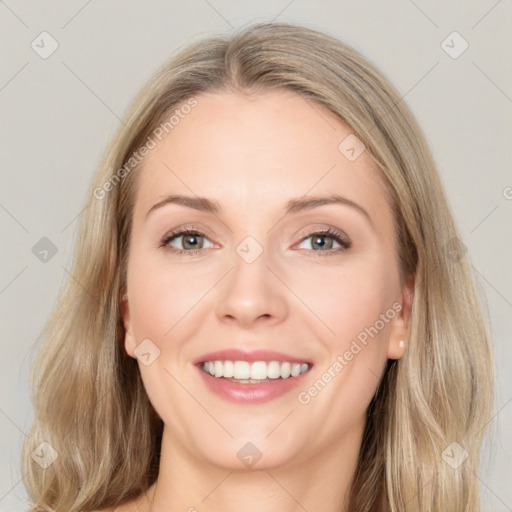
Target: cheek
{"x":165,"y":298}
{"x":353,"y":299}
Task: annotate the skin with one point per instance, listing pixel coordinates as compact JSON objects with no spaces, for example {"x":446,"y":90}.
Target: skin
{"x":252,"y":154}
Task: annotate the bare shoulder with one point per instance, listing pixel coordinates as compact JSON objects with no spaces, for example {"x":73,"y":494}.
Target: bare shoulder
{"x":130,"y":506}
{"x":140,"y":504}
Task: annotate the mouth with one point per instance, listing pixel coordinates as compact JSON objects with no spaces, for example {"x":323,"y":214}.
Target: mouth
{"x":251,"y":377}
{"x":256,"y":372}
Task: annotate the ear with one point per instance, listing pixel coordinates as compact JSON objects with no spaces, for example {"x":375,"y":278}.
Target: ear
{"x":400,"y":325}
{"x":129,"y":339}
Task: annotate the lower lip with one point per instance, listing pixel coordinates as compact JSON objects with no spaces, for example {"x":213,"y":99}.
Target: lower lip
{"x":251,"y":393}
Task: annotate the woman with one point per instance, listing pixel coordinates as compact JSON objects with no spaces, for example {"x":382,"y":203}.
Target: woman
{"x":270,"y":308}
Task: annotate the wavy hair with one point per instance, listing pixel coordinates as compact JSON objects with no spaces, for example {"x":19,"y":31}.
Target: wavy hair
{"x":89,"y":400}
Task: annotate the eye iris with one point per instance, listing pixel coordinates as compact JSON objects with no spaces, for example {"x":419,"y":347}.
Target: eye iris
{"x":320,"y":244}
{"x":194,"y":245}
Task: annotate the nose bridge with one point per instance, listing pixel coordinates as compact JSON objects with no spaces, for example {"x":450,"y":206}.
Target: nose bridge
{"x":251,"y":290}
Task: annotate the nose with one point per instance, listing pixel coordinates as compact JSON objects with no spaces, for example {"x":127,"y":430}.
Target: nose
{"x":251,"y":294}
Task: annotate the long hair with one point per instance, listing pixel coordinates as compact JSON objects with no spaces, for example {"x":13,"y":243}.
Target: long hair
{"x":425,"y":424}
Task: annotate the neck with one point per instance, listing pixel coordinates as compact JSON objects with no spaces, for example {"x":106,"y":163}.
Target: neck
{"x":319,"y":482}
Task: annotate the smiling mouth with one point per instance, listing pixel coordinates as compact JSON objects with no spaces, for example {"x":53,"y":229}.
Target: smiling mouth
{"x":256,"y":372}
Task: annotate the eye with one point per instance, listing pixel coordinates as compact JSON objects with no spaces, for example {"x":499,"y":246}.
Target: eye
{"x":192,"y":241}
{"x":324,"y":240}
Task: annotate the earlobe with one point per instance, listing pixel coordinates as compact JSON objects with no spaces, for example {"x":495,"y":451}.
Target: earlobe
{"x":129,"y":340}
{"x":400,"y":327}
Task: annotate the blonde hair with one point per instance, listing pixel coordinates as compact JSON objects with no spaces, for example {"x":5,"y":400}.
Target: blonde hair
{"x":90,"y":403}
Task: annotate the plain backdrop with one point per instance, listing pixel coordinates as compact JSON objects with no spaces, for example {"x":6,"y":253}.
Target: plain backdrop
{"x":59,"y":111}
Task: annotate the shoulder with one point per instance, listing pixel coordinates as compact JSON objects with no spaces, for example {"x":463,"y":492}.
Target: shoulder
{"x":135,"y":505}
{"x":139,"y":504}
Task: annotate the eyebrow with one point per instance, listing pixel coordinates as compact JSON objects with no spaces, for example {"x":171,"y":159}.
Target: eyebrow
{"x":204,"y":204}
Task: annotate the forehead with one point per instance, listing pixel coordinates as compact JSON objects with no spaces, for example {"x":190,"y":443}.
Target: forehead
{"x":254,"y":151}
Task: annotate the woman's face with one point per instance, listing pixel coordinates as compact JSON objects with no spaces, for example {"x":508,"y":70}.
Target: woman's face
{"x":260,"y":280}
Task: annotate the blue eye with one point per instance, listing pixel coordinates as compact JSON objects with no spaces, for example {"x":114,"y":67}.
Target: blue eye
{"x":191,"y":238}
{"x":318,"y":240}
{"x":192,"y":241}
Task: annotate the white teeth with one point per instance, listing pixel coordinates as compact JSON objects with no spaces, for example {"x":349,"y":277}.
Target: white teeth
{"x":286,"y":370}
{"x":241,"y":370}
{"x":256,"y":372}
{"x":295,"y":369}
{"x":228,"y":369}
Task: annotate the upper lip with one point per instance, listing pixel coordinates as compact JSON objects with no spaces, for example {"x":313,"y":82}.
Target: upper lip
{"x":234,"y":354}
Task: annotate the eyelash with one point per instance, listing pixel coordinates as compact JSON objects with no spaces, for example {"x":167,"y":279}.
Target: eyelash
{"x":328,"y":233}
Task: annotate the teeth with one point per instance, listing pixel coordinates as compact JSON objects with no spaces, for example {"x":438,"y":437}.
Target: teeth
{"x":256,"y":372}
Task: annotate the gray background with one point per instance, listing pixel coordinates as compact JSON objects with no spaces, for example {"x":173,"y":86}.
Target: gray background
{"x":58,"y":114}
